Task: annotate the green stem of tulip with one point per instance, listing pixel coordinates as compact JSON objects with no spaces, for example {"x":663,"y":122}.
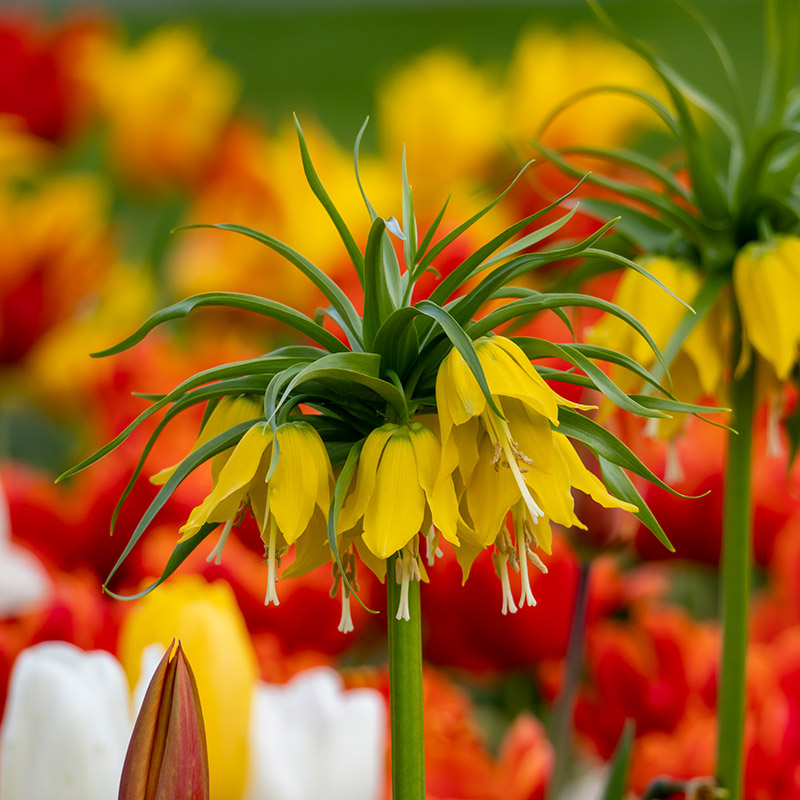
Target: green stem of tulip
{"x":735,"y":586}
{"x":405,"y":691}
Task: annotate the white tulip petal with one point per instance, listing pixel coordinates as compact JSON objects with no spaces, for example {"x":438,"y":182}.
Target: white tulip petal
{"x":66,"y":726}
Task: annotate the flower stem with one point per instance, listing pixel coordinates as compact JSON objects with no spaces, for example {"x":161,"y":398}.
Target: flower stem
{"x":405,"y":691}
{"x":735,"y":586}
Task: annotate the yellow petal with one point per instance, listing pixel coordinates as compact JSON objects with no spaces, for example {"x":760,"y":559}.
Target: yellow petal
{"x":441,"y":496}
{"x":396,"y":508}
{"x":585,"y":480}
{"x":552,"y":491}
{"x":356,"y":502}
{"x":234,"y":480}
{"x":312,"y":549}
{"x":489,"y":495}
{"x":300,"y":480}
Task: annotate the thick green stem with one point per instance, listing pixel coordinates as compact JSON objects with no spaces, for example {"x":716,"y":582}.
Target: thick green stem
{"x":735,"y":586}
{"x":405,"y":688}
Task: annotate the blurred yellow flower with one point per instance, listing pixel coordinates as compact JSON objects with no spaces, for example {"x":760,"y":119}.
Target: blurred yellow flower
{"x":212,"y":631}
{"x":698,"y":368}
{"x":448,"y":115}
{"x":766,"y":279}
{"x":547,"y":67}
{"x":166,"y":103}
{"x":259,"y":183}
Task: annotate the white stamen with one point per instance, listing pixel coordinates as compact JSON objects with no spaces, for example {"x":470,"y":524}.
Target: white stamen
{"x":537,"y":562}
{"x":530,"y":503}
{"x":432,"y":552}
{"x":404,"y":579}
{"x":526,"y":595}
{"x":346,"y":621}
{"x":508,"y":600}
{"x":673,"y":470}
{"x":216,"y":554}
{"x":651,"y":428}
{"x":775,"y":448}
{"x":272,"y":594}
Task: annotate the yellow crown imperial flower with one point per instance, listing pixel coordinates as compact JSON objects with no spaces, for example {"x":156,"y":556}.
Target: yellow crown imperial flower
{"x":396,"y":492}
{"x":514,"y":461}
{"x":286,"y":503}
{"x":766,"y":279}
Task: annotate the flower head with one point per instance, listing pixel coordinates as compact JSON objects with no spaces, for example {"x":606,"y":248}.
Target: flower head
{"x":517,"y":461}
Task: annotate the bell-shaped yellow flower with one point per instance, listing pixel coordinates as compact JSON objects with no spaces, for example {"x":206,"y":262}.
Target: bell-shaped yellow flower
{"x":295,"y":499}
{"x":396,"y":487}
{"x":212,"y":631}
{"x":517,"y":461}
{"x":766,"y":279}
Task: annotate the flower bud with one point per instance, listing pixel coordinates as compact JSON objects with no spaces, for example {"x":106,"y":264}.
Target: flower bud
{"x":167,"y":756}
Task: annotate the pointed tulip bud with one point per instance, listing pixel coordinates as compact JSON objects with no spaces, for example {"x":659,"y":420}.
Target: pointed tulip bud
{"x":167,"y":756}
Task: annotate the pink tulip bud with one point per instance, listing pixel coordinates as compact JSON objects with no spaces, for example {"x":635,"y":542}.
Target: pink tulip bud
{"x":167,"y":755}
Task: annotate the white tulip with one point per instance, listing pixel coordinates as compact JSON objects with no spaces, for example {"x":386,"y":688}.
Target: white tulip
{"x":66,"y":725}
{"x":311,"y":739}
{"x":23,"y":580}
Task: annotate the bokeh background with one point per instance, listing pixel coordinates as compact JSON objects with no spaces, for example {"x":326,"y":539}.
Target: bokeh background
{"x":119,"y":122}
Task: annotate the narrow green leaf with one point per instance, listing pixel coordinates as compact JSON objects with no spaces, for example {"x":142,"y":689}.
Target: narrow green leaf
{"x":188,"y":465}
{"x":459,"y":339}
{"x":467,"y":268}
{"x":324,"y":198}
{"x":351,"y":322}
{"x":181,"y":552}
{"x":208,"y":394}
{"x":247,"y":302}
{"x":377,"y":303}
{"x":359,"y":368}
{"x":429,"y":234}
{"x":456,"y":232}
{"x":621,"y":486}
{"x":264,"y":365}
{"x":395,"y":338}
{"x":409,"y":220}
{"x":532,"y":304}
{"x":538,"y":348}
{"x":607,"y":446}
{"x":618,"y":777}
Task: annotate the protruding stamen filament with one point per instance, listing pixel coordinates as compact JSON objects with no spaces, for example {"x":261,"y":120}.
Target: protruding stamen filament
{"x":508,"y":599}
{"x":498,"y":430}
{"x":526,"y":595}
{"x":432,"y":550}
{"x":272,"y":594}
{"x":406,"y":570}
{"x":673,"y":470}
{"x":537,"y":562}
{"x":775,"y":447}
{"x":346,"y":621}
{"x":216,"y":554}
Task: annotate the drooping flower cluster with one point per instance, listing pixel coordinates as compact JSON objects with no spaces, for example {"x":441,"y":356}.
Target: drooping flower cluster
{"x":408,"y":421}
{"x":720,"y":226}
